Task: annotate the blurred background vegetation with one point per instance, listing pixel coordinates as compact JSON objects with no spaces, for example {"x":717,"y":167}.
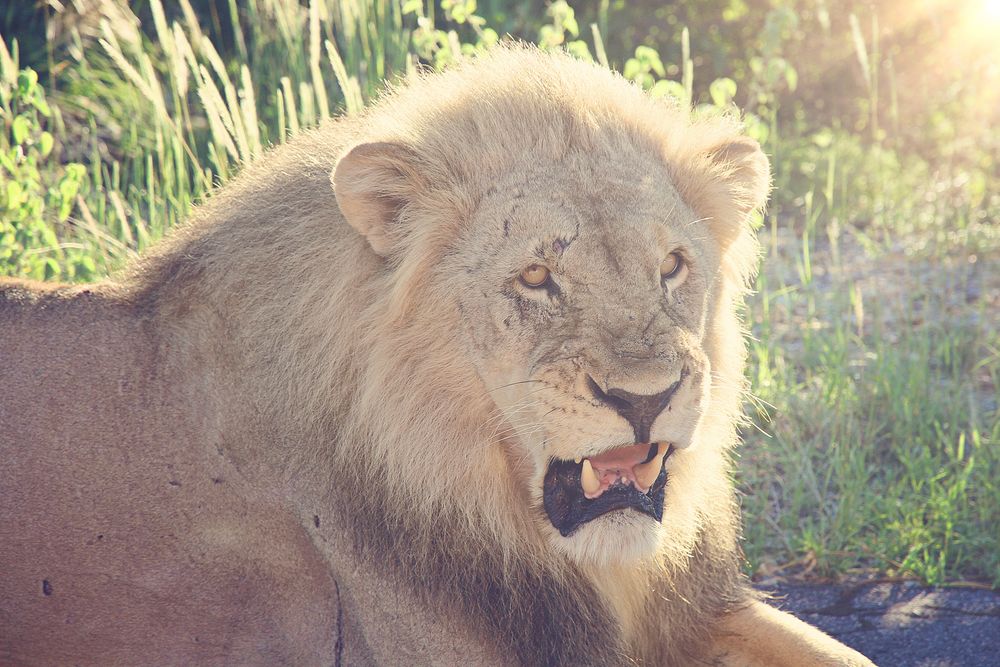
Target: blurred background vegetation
{"x":872,"y":444}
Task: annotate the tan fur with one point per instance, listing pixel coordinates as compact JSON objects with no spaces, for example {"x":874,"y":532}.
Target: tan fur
{"x":311,"y":428}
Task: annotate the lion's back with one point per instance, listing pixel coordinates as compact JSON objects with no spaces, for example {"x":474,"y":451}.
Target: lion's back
{"x":64,"y":353}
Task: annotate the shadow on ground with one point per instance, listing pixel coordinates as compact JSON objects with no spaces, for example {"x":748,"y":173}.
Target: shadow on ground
{"x":902,"y":624}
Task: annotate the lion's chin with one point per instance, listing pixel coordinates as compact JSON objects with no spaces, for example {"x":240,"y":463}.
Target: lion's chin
{"x":608,"y":508}
{"x":621,"y":537}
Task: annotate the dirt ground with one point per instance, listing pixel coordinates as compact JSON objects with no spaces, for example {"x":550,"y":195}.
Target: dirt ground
{"x":902,"y":624}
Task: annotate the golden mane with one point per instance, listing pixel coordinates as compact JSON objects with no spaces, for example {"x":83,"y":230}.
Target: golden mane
{"x":316,"y":331}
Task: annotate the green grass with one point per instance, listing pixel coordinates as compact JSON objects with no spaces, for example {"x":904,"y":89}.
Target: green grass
{"x":875,"y":367}
{"x":877,"y":450}
{"x":875,"y":359}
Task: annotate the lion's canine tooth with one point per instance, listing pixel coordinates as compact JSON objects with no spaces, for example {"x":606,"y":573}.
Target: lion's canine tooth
{"x":588,"y":478}
{"x":646,"y":473}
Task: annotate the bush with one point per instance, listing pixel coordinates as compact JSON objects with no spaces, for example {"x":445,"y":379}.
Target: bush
{"x":37,"y":192}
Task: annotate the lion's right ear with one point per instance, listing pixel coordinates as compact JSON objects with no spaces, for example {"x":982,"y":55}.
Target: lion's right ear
{"x":373,"y":183}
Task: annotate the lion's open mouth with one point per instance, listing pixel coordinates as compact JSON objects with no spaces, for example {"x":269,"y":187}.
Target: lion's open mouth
{"x":629,"y":477}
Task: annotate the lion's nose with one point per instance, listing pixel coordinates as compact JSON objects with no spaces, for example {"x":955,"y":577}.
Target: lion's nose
{"x":639,"y":410}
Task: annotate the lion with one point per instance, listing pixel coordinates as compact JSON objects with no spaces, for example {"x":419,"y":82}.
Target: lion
{"x":455,"y":381}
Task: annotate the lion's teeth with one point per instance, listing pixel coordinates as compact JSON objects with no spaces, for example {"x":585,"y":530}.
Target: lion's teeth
{"x":588,"y":479}
{"x":646,"y":473}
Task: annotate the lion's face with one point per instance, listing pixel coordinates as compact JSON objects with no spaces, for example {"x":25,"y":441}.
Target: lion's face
{"x":583,"y":292}
{"x":577,"y":249}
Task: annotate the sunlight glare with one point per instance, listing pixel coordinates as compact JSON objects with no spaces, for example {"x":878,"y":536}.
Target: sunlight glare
{"x":991,"y":8}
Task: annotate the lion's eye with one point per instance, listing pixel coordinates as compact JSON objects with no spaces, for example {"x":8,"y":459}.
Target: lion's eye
{"x":535,"y":275}
{"x":671,"y":266}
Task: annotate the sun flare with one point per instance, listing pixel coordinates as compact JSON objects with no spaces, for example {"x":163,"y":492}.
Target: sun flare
{"x":991,"y":9}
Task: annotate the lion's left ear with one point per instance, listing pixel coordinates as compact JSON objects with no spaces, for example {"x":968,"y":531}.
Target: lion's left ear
{"x":373,"y":184}
{"x":741,"y":165}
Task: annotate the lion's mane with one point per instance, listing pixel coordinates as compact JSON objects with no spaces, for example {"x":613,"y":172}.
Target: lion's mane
{"x":333,"y":342}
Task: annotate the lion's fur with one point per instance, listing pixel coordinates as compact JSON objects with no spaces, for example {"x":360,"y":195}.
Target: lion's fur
{"x":267,"y":349}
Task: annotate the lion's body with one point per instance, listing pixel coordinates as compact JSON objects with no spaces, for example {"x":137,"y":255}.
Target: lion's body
{"x":121,"y":532}
{"x":130,"y":537}
{"x":262,"y":445}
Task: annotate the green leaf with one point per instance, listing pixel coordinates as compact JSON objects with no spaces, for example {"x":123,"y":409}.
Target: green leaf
{"x":549,"y":37}
{"x":756,"y":128}
{"x":67,"y":191}
{"x":45,"y":143}
{"x":791,"y":78}
{"x":632,"y":69}
{"x":413,"y":7}
{"x":14,"y":192}
{"x":650,"y":58}
{"x":43,"y":107}
{"x":458,"y":12}
{"x":75,"y":172}
{"x":27,"y":79}
{"x":823,"y":138}
{"x":9,"y":161}
{"x":668,"y":88}
{"x":51,"y":268}
{"x":722,"y":91}
{"x":49,"y":237}
{"x":736,"y":10}
{"x":579,"y":49}
{"x":489,"y":37}
{"x":20,"y":128}
{"x":571,"y":26}
{"x":69,"y":185}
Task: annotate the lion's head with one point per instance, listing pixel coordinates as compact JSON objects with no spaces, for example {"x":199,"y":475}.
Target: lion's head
{"x":555,"y":348}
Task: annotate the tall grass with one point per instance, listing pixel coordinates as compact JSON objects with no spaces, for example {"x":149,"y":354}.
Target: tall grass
{"x":193,"y":118}
{"x":875,"y":351}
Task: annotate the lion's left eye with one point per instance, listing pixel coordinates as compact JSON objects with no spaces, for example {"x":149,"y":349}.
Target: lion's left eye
{"x":535,"y":275}
{"x":671,"y":266}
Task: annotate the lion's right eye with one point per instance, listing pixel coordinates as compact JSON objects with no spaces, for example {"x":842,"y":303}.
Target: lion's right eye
{"x":535,"y":275}
{"x":671,"y":266}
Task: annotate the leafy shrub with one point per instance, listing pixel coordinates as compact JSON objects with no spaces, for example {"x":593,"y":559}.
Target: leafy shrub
{"x":37,"y":193}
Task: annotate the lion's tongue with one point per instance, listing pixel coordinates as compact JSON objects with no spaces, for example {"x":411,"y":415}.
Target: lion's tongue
{"x":624,"y":465}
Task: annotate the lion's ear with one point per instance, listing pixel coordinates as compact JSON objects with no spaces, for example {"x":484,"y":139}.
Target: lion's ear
{"x":373,"y":183}
{"x":741,"y":164}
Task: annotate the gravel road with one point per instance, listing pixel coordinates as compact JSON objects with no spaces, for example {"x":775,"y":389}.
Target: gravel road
{"x":902,"y":624}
